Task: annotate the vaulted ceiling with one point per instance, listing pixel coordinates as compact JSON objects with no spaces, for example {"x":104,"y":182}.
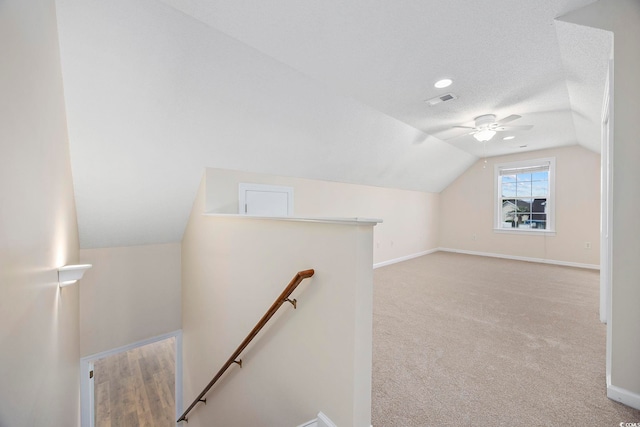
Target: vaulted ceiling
{"x":157,"y":90}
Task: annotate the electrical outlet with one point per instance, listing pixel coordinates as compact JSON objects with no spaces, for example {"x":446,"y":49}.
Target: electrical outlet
{"x":587,"y":245}
{"x":474,"y":237}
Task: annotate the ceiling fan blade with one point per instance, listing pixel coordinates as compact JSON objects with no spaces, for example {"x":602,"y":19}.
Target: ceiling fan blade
{"x":508,"y":119}
{"x":508,"y":128}
{"x":460,"y":134}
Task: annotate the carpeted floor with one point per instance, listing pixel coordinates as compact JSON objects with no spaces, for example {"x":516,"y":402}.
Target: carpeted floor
{"x":461,"y":340}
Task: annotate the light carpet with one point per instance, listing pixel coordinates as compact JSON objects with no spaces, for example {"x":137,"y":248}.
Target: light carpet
{"x":462,"y":340}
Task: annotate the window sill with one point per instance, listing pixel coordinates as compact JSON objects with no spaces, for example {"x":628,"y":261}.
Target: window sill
{"x":528,"y":231}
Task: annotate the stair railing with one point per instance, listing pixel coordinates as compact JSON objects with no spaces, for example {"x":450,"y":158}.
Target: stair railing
{"x":284,"y":297}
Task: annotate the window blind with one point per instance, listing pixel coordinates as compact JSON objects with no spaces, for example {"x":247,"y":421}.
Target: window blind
{"x":526,"y":169}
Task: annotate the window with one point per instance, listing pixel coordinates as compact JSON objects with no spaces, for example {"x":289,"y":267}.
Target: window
{"x":524,"y":196}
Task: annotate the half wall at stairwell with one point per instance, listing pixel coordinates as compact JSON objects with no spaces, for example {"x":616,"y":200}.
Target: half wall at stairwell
{"x":410,"y":218}
{"x":313,"y":358}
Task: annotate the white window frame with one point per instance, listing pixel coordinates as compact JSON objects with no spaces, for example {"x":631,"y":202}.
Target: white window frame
{"x":497,"y":197}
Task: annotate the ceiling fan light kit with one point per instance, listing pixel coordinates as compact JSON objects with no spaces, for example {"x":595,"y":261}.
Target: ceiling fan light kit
{"x":485,"y":131}
{"x":484,"y":134}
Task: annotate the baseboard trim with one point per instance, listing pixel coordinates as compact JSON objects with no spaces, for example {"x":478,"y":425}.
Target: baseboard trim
{"x":522,"y":258}
{"x":404,"y":258}
{"x":623,"y":396}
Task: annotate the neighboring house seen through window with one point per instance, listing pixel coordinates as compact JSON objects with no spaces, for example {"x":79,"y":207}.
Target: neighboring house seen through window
{"x":524,"y":196}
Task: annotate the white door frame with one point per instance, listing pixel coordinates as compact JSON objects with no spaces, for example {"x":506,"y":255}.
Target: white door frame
{"x":606,"y":243}
{"x":606,"y":200}
{"x":87,"y":400}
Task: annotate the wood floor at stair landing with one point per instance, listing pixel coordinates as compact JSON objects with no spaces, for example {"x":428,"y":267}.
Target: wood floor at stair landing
{"x":136,"y":388}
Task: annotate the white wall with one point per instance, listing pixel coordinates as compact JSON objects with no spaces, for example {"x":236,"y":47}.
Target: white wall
{"x":130,"y":294}
{"x":410,"y":217}
{"x":39,"y":348}
{"x":467,"y":209}
{"x":179,"y":95}
{"x":317,"y":357}
{"x":623,"y":18}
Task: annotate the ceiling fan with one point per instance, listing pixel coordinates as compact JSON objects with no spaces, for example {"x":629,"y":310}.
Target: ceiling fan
{"x":486,"y":127}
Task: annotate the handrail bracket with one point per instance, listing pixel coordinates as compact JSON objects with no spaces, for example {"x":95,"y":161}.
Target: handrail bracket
{"x":294,"y":302}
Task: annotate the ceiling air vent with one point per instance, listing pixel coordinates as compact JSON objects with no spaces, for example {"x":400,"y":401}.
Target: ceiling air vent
{"x":441,"y":98}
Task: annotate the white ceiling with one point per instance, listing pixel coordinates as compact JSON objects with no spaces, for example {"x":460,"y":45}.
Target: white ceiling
{"x":156,"y":90}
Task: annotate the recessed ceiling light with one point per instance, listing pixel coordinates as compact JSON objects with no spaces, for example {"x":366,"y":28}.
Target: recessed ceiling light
{"x":507,"y":138}
{"x":440,"y":84}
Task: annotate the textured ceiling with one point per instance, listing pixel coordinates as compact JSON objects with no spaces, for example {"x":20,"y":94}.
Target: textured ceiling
{"x":505,"y":56}
{"x":158,"y":90}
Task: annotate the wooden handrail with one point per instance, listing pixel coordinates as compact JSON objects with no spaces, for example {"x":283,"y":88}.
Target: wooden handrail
{"x":284,"y":297}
